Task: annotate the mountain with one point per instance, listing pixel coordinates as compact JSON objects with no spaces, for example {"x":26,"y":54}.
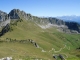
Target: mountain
{"x":41,"y":22}
{"x":28,"y":37}
{"x":46,"y":22}
{"x":3,"y":15}
{"x":72,"y":18}
{"x":4,"y":19}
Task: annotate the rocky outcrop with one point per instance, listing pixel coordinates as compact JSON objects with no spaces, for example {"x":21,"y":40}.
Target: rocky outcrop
{"x":4,"y":23}
{"x":7,"y":58}
{"x":4,"y":19}
{"x":3,"y":16}
{"x":5,"y":29}
{"x":56,"y":21}
{"x":17,"y":14}
{"x":14,"y":14}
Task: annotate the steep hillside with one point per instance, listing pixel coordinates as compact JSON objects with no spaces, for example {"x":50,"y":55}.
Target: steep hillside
{"x":50,"y":42}
{"x":34,"y":38}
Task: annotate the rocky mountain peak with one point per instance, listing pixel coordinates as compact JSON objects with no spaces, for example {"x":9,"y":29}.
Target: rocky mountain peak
{"x":16,"y":14}
{"x":4,"y":19}
{"x":1,"y":13}
{"x":3,"y":16}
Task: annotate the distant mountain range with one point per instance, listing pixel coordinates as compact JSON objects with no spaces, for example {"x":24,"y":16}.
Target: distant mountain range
{"x":72,"y":18}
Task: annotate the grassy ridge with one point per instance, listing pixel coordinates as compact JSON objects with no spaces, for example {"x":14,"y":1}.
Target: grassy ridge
{"x":45,"y":38}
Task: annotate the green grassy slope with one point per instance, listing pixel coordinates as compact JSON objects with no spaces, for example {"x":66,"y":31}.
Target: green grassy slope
{"x":49,"y":40}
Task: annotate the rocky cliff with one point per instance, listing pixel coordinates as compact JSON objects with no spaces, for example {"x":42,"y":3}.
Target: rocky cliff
{"x":4,"y":19}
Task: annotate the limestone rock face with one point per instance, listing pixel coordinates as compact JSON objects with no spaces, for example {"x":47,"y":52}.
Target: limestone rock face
{"x":4,"y":19}
{"x":3,"y":16}
{"x":14,"y":14}
{"x":17,"y":14}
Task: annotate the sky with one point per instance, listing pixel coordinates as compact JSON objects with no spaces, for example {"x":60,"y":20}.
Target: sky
{"x":46,"y":8}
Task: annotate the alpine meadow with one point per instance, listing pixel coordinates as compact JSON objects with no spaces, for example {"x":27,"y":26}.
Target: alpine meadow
{"x":27,"y":37}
